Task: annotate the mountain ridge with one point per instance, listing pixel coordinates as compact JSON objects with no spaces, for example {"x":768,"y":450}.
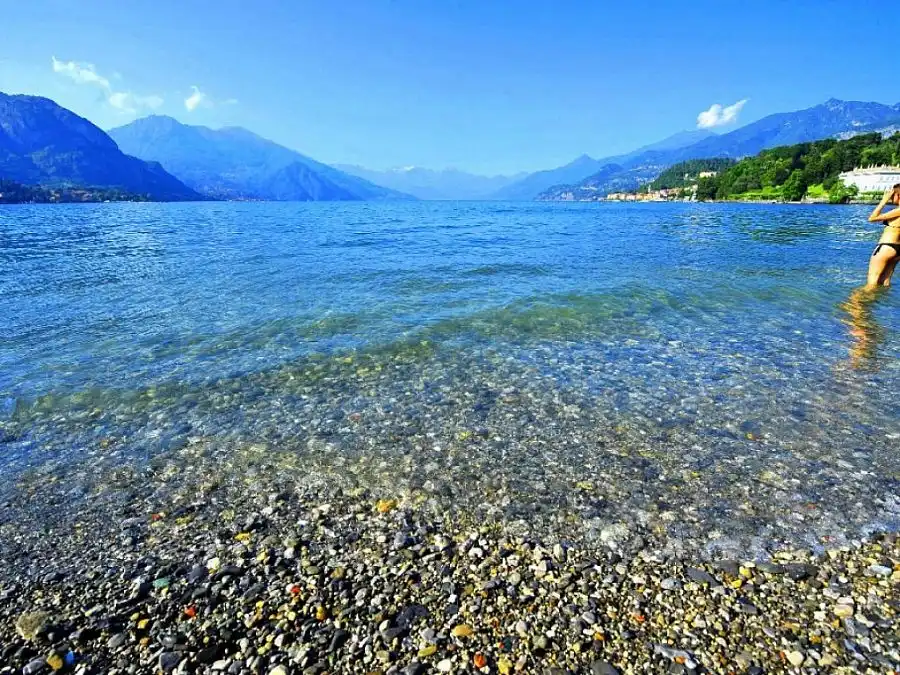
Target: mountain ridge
{"x":584,"y":165}
{"x":43,"y":143}
{"x":824,"y":120}
{"x":236,"y":163}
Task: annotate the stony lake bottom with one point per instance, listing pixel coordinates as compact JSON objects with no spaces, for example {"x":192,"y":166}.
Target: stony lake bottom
{"x":707,"y":378}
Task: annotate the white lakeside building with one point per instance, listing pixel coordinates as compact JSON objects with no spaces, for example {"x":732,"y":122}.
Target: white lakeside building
{"x":872,"y":179}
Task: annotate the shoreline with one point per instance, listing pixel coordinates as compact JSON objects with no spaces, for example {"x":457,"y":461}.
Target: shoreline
{"x":233,"y":565}
{"x":767,"y":202}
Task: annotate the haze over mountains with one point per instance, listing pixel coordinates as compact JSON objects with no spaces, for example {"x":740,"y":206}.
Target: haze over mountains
{"x":43,"y":143}
{"x":432,"y":184}
{"x":233,"y":163}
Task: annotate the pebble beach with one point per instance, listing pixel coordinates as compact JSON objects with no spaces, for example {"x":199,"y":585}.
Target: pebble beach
{"x":187,"y":571}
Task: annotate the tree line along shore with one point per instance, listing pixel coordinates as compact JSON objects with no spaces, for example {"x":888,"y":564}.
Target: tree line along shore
{"x":806,"y":172}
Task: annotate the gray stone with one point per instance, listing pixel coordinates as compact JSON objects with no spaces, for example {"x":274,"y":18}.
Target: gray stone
{"x":402,"y":540}
{"x":880,"y":570}
{"x":410,"y":614}
{"x":197,"y":573}
{"x":116,"y":641}
{"x":601,"y":667}
{"x":391,"y":634}
{"x":168,"y":661}
{"x":800,"y":571}
{"x":701,"y":576}
{"x":36,"y":666}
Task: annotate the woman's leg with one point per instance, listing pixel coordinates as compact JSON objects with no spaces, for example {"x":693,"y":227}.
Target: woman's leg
{"x":878,"y":265}
{"x":889,"y":270}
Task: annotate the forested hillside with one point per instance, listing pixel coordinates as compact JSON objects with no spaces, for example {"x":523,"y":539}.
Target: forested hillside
{"x":687,"y":173}
{"x":795,"y":171}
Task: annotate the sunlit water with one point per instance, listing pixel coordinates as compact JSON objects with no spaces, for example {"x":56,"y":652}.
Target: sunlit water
{"x":703,"y":373}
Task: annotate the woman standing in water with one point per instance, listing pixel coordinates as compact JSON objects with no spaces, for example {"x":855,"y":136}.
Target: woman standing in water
{"x":865,"y":334}
{"x":887,"y":252}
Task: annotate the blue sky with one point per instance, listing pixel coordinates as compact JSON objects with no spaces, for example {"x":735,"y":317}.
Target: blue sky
{"x":483,"y":85}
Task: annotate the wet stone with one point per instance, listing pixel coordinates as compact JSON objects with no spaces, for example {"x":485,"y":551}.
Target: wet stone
{"x":701,"y":576}
{"x":601,"y":667}
{"x":800,"y":571}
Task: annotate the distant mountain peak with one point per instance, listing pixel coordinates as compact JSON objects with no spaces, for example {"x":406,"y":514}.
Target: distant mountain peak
{"x":235,"y":163}
{"x":825,"y":120}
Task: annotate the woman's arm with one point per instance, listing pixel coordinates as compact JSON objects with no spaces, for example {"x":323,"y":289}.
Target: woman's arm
{"x":884,"y":217}
{"x":877,"y":216}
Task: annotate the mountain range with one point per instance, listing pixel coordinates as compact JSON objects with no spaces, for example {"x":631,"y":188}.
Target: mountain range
{"x":42,"y":143}
{"x":532,"y":185}
{"x":833,"y":118}
{"x":431,"y":184}
{"x":233,"y":163}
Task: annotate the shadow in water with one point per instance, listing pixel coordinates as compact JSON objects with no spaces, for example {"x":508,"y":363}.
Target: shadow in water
{"x":866,"y":334}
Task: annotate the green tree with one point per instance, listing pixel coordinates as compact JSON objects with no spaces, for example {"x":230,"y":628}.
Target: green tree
{"x":794,"y":187}
{"x":841,"y":194}
{"x":706,"y":189}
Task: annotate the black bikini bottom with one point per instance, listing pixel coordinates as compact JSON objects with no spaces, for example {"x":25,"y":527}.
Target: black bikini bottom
{"x":896,"y":248}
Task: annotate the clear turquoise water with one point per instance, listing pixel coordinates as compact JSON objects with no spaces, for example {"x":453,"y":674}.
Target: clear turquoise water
{"x":695,"y":360}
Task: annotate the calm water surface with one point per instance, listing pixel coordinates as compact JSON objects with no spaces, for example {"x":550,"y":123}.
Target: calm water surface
{"x":701,"y":372}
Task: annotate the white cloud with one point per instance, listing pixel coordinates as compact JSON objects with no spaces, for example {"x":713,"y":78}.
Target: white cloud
{"x":193,"y":101}
{"x":124,"y":101}
{"x":718,"y":116}
{"x":82,"y":73}
{"x":131,"y":103}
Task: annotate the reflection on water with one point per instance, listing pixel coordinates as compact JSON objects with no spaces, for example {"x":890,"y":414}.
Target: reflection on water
{"x":866,"y":334}
{"x":670,"y":368}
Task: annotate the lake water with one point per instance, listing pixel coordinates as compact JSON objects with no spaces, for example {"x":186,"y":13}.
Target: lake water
{"x":700,"y":373}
